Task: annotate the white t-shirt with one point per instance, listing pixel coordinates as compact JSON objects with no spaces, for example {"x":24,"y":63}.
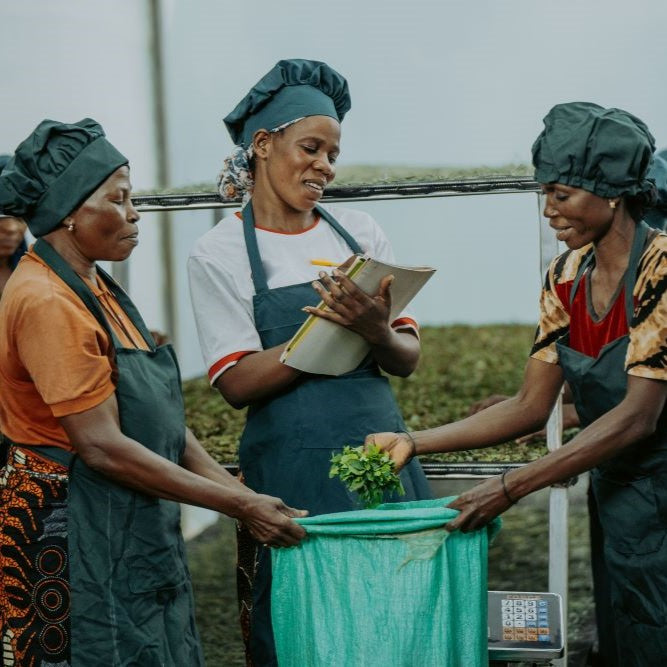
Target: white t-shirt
{"x":221,"y":286}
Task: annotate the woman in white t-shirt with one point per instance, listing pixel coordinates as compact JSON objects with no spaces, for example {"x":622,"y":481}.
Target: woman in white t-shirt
{"x":251,"y":278}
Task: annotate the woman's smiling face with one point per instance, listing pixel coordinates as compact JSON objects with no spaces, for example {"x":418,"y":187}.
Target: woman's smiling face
{"x":300,"y":161}
{"x":578,"y":216}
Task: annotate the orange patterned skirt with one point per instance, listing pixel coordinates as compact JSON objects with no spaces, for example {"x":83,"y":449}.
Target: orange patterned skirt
{"x":34,"y":583}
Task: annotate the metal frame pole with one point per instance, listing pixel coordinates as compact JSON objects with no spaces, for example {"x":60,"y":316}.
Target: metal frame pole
{"x":558,"y":495}
{"x":162,"y":167}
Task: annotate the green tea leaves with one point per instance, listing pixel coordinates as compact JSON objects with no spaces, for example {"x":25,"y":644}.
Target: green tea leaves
{"x":367,"y":472}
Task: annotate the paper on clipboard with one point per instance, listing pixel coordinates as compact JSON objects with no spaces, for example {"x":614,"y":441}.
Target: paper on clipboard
{"x":326,"y":348}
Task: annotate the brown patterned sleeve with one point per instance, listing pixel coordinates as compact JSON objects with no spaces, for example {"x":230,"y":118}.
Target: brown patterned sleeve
{"x":554,"y":316}
{"x":647,"y":351}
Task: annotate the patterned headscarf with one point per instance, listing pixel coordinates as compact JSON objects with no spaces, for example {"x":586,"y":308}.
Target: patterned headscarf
{"x":236,"y":178}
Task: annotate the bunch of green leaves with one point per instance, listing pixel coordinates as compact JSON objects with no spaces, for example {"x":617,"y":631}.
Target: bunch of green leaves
{"x":368,"y":472}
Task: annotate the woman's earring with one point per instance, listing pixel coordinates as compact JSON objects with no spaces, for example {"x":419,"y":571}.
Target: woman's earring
{"x":612,"y":203}
{"x":70,"y":227}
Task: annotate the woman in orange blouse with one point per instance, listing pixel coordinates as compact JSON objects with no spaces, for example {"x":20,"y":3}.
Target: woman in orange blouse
{"x":93,"y":563}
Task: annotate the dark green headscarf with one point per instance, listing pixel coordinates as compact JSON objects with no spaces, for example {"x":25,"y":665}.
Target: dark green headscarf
{"x":55,"y":169}
{"x":657,"y":215}
{"x":292,"y":89}
{"x":605,"y":151}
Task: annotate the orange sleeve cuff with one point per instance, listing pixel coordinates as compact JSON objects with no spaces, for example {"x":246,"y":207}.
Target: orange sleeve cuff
{"x":220,"y":366}
{"x":406,"y":323}
{"x":82,"y":403}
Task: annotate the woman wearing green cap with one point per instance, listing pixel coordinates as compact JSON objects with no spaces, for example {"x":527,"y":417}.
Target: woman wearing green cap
{"x":92,"y":558}
{"x":603,"y":329}
{"x":251,"y":278}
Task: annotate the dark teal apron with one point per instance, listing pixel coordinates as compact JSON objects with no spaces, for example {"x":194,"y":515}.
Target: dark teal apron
{"x":288,"y":440}
{"x":630,"y":493}
{"x":131,"y":593}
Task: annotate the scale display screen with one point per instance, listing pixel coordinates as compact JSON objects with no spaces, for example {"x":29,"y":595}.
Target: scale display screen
{"x":525,"y":626}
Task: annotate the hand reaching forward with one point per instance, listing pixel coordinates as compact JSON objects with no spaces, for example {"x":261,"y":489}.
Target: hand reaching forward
{"x":270,"y":521}
{"x":479,"y":505}
{"x":399,"y":446}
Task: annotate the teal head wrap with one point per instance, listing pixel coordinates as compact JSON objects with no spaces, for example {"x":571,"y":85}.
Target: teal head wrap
{"x":55,"y":169}
{"x":605,"y":151}
{"x":656,"y":216}
{"x":291,"y":89}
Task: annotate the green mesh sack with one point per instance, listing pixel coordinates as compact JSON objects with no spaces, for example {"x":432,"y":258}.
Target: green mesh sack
{"x":383,"y":587}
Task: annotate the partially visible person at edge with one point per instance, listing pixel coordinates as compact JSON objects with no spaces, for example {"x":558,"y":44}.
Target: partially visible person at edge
{"x":251,"y":279}
{"x":603,"y":329}
{"x":656,"y":217}
{"x":12,"y":239}
{"x":93,"y":561}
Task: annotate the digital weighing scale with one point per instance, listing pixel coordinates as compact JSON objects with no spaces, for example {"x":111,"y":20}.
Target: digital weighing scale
{"x":525,"y":626}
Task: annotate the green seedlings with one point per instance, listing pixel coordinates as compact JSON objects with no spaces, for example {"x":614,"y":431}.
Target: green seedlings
{"x":368,"y":472}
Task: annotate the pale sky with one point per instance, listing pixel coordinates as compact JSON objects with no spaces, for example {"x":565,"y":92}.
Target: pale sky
{"x":453,"y":82}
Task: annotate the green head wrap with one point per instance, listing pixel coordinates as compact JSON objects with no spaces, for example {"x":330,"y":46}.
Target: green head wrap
{"x":292,"y":89}
{"x":605,"y":151}
{"x":55,"y":169}
{"x":657,"y":215}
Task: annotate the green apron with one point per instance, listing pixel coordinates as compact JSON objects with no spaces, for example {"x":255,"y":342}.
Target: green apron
{"x":288,"y":440}
{"x":131,"y":592}
{"x":630,"y":493}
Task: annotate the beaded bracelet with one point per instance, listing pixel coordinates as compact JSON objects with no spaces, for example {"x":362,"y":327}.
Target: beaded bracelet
{"x":505,"y":491}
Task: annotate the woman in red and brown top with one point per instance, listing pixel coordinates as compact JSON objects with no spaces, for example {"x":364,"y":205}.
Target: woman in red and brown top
{"x":603,"y":329}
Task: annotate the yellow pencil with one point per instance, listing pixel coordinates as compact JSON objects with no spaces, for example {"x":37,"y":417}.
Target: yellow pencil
{"x":323,"y":262}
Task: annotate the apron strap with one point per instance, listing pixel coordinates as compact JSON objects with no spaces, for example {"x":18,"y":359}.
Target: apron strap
{"x":256,"y":267}
{"x":128,"y":307}
{"x":580,"y":273}
{"x":638,"y":243}
{"x":630,"y":276}
{"x":74,"y":281}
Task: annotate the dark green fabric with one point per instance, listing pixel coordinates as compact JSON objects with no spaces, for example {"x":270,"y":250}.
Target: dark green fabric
{"x":55,"y":169}
{"x":605,"y":151}
{"x":292,"y":89}
{"x":132,"y":600}
{"x":656,"y":217}
{"x":389,"y":586}
{"x":630,"y":492}
{"x":288,"y":440}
